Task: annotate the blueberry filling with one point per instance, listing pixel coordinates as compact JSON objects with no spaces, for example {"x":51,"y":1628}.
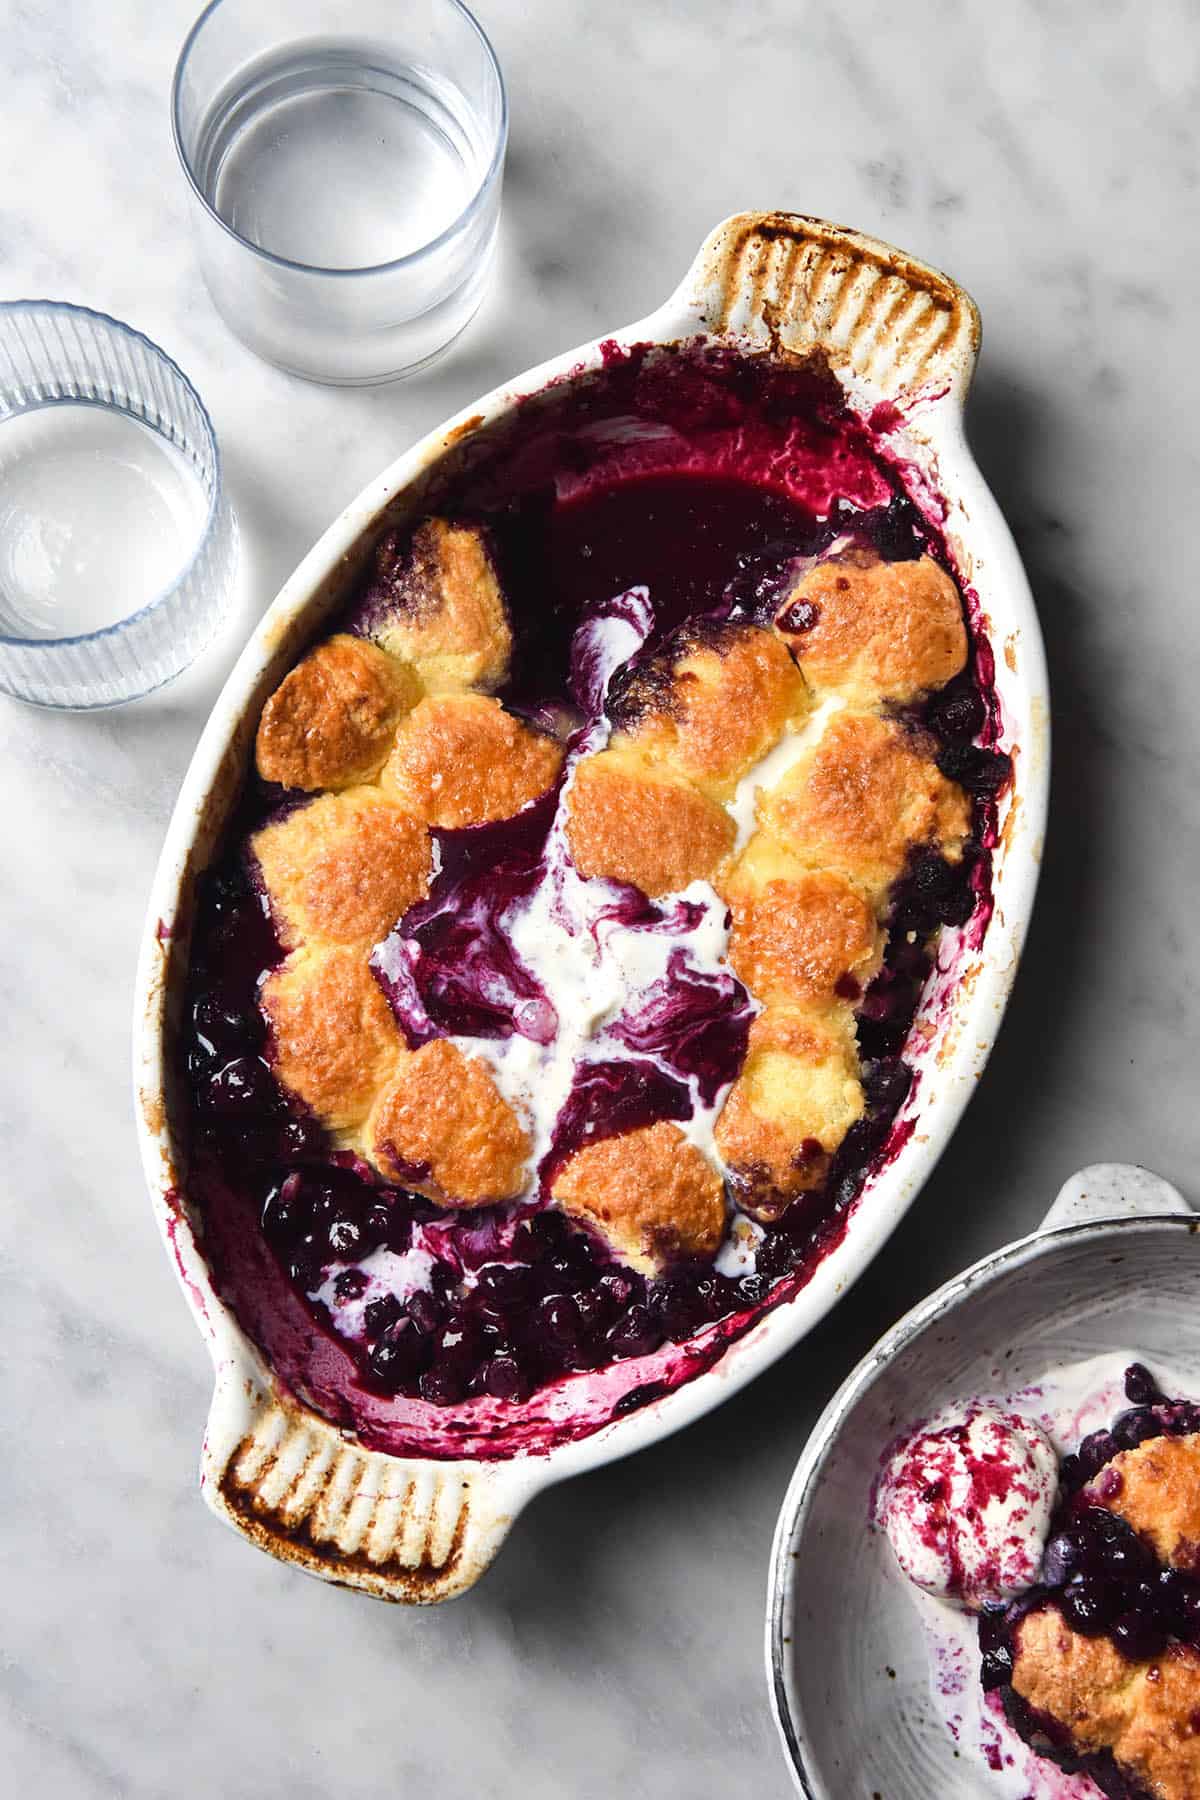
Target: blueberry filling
{"x":449,"y":966}
{"x":315,"y":1214}
{"x":556,"y":1304}
{"x":509,"y":1299}
{"x":1103,"y":1577}
{"x":694,"y":1022}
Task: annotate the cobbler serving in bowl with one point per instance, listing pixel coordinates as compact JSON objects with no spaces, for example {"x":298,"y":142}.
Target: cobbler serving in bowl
{"x":549,"y":997}
{"x":1082,"y":1567}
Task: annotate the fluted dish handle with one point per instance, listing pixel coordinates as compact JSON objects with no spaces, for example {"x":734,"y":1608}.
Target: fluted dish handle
{"x":787,"y":282}
{"x":410,"y":1530}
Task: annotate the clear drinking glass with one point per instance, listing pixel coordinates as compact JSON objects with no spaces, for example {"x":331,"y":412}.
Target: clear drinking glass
{"x":345,"y":159}
{"x":117,"y":549}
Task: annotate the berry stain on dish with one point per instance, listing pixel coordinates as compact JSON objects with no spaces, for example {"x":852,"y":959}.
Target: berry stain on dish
{"x":1059,"y":1541}
{"x":548,"y":1001}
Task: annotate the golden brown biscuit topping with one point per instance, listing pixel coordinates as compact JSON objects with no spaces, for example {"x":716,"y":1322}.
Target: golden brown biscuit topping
{"x":650,"y":1194}
{"x":333,"y":1035}
{"x":797,"y":1096}
{"x":691,"y":721}
{"x":1159,"y":1496}
{"x":460,"y":759}
{"x":440,"y":607}
{"x":713,"y":705}
{"x":864,"y":797}
{"x":344,"y":868}
{"x":799,"y":936}
{"x":330,"y":723}
{"x":629,"y":821}
{"x":441,"y":1126}
{"x":1145,"y":1714}
{"x":874,"y":630}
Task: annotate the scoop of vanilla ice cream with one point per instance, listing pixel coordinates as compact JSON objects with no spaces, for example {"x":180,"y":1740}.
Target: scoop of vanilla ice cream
{"x":966,"y":1505}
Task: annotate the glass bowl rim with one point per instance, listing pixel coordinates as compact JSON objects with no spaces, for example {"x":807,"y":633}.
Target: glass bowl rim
{"x":49,"y":644}
{"x":462,"y":218}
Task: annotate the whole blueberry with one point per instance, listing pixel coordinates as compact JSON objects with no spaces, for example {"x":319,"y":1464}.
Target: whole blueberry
{"x":594,"y":1309}
{"x":979,"y":771}
{"x":751,"y":1290}
{"x":376,"y":1224}
{"x":285,"y":1209}
{"x":634,"y":1334}
{"x":1096,"y":1449}
{"x":561,"y":1274}
{"x":1065,"y":1555}
{"x":379,"y":1314}
{"x":886,"y":1082}
{"x":350,"y":1284}
{"x":1141,"y":1389}
{"x":774,"y":1256}
{"x":615,"y":1287}
{"x":1088,"y":1605}
{"x":956,"y":714}
{"x":1129,"y":1428}
{"x":1139,"y":1636}
{"x":425,"y":1310}
{"x":1126,"y":1558}
{"x":444,"y":1384}
{"x":956,"y":907}
{"x":1071,"y":1473}
{"x":558,"y":1319}
{"x":503,"y":1377}
{"x":397,"y":1360}
{"x":346,"y":1237}
{"x":242,"y":1089}
{"x":1178,"y":1604}
{"x":678,"y":1308}
{"x":504,"y":1284}
{"x":298,"y":1139}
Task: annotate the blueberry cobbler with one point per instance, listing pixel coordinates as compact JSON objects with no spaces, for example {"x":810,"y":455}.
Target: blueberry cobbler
{"x":1083,"y":1568}
{"x":549,"y":997}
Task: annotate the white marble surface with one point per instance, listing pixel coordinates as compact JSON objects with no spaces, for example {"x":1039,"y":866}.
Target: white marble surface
{"x":1047,"y":154}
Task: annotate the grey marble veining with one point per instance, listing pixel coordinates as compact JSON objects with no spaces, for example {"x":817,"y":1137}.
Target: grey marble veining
{"x":1048,"y":155}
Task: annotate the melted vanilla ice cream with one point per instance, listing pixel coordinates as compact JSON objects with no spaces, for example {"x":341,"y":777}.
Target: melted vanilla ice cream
{"x":966,"y":1505}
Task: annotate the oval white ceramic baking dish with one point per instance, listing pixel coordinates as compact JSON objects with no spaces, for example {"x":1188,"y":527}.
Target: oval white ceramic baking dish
{"x":898,"y":335}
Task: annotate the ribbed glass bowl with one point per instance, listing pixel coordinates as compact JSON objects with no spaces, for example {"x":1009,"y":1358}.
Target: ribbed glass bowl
{"x":52,"y":355}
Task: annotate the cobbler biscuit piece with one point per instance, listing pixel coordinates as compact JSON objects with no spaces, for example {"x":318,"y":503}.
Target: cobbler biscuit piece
{"x":713,"y":702}
{"x":628,"y":821}
{"x":800,"y":936}
{"x":1084,"y":1682}
{"x":1144,"y":1713}
{"x":334,"y":1037}
{"x":862,"y":798}
{"x":460,"y":759}
{"x":1159,"y":1497}
{"x":330,"y":723}
{"x":443,"y":1128}
{"x":440,"y":607}
{"x":1161,"y":1743}
{"x":796,"y":1098}
{"x":650,"y":1194}
{"x":873,"y":630}
{"x":344,"y":868}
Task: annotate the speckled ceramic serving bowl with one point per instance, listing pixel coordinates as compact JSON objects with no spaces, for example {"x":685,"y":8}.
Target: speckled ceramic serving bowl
{"x":901,"y":337}
{"x":1115,"y":1266}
